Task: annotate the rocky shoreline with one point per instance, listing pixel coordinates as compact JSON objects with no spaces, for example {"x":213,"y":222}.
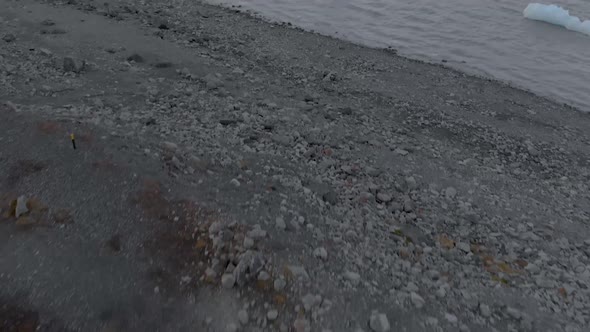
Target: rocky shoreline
{"x":339,"y":188}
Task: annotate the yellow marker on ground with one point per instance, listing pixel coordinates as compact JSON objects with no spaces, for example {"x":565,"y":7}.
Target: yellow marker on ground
{"x":73,"y":140}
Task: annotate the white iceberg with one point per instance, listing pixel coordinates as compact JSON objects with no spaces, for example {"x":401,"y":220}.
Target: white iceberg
{"x":556,"y":15}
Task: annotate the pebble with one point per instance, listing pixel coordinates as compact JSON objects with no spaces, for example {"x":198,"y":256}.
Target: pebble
{"x":411,"y":183}
{"x":379,"y":322}
{"x":72,"y":65}
{"x":210,"y":273}
{"x":21,"y":206}
{"x":9,"y":38}
{"x":451,"y":318}
{"x":417,"y":300}
{"x":330,"y":197}
{"x":228,"y":281}
{"x":308,"y":301}
{"x":243,"y":317}
{"x":298,"y":271}
{"x":463,"y":246}
{"x":321,"y":253}
{"x":353,"y":277}
{"x":279,"y":284}
{"x":280,"y":223}
{"x":485,"y":310}
{"x":450,"y":193}
{"x":513,"y":312}
{"x":169,"y":146}
{"x":231,"y":327}
{"x":401,"y":152}
{"x":257,"y":233}
{"x":235,"y":182}
{"x":248,"y":242}
{"x":383,"y":198}
{"x":135,"y":58}
{"x":272,"y":314}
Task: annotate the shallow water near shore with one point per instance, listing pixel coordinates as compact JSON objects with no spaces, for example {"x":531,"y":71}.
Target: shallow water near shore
{"x":490,"y":38}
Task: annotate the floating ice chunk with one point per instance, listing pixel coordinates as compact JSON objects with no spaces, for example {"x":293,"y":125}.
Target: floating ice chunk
{"x":556,"y":15}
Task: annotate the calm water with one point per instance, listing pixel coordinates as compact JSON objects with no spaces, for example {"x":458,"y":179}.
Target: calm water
{"x":491,"y":36}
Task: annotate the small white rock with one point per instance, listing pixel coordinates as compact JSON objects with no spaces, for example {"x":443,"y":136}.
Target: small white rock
{"x":485,"y":310}
{"x":379,"y":322}
{"x":451,"y":318}
{"x":279,"y":284}
{"x":417,"y":300}
{"x":248,"y":243}
{"x":243,"y":317}
{"x":21,"y":206}
{"x":231,"y":327}
{"x":235,"y":182}
{"x":353,"y":277}
{"x":228,"y":281}
{"x":272,"y":314}
{"x":280,"y":223}
{"x":321,"y":253}
{"x":450,"y":192}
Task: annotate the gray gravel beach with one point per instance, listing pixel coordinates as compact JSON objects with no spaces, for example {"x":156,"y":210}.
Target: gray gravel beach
{"x":232,"y":174}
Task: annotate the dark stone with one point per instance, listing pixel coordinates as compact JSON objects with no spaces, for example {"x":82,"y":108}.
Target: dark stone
{"x":163,"y":65}
{"x":135,"y":58}
{"x":330,"y":197}
{"x":9,"y":38}
{"x":72,"y":65}
{"x":227,"y":122}
{"x":47,"y":23}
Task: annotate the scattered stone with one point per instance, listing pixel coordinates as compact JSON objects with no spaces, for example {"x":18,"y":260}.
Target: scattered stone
{"x":463,"y":246}
{"x":280,"y":223}
{"x":169,"y":146}
{"x":216,"y":227}
{"x":21,"y":206}
{"x":330,"y":197}
{"x":228,"y":281}
{"x":227,"y":122}
{"x":213,"y":82}
{"x":401,"y":152}
{"x":248,"y":243}
{"x":279,"y":284}
{"x":243,"y":317}
{"x":514,"y":313}
{"x":301,"y":324}
{"x":353,"y":277}
{"x":163,"y":64}
{"x":297,"y":271}
{"x":485,"y":310}
{"x":232,"y":327}
{"x":257,"y":233}
{"x":408,"y":205}
{"x":379,"y":322}
{"x":114,"y":243}
{"x":9,"y":38}
{"x":450,"y":193}
{"x":411,"y":183}
{"x":383,"y":198}
{"x":48,"y":23}
{"x":272,"y":314}
{"x":235,"y":182}
{"x":72,"y":65}
{"x":417,"y":300}
{"x":321,"y":253}
{"x":135,"y":58}
{"x":451,"y":318}
{"x":210,"y":273}
{"x":308,"y":301}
